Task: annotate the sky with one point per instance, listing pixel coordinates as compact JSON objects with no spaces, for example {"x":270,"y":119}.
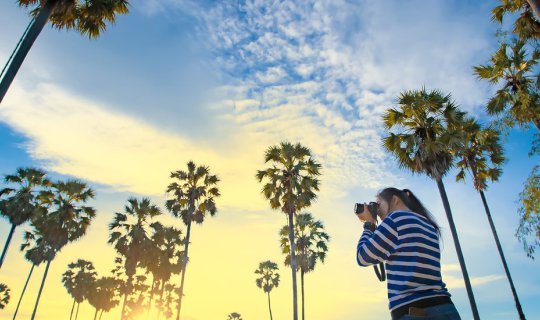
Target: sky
{"x":218,"y":83}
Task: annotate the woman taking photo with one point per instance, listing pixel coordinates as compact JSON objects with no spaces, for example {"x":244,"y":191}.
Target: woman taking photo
{"x":407,"y":241}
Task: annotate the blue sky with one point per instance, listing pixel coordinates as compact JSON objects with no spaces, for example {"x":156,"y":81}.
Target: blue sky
{"x":218,"y":82}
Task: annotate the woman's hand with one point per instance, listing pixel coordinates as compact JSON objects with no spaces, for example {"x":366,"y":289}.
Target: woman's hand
{"x":365,"y":215}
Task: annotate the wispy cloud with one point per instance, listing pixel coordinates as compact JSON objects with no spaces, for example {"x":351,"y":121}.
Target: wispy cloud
{"x":316,"y":72}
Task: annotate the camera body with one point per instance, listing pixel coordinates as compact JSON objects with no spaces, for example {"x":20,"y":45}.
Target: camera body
{"x":372,"y":207}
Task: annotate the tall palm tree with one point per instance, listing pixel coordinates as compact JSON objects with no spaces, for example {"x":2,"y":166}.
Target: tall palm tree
{"x":482,"y":155}
{"x":166,"y":260}
{"x":65,"y":220}
{"x":78,"y":280}
{"x":290,"y":185}
{"x":87,"y":17}
{"x":4,"y":295}
{"x":130,"y":237}
{"x":35,"y":255}
{"x":312,"y":246}
{"x":18,"y":202}
{"x":426,"y":128}
{"x":102,"y":295}
{"x":193,"y":194}
{"x":268,"y":279}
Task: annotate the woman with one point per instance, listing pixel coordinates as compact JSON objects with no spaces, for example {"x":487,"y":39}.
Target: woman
{"x":407,"y":240}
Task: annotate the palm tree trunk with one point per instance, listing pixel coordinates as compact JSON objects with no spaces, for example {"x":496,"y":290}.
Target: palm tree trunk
{"x":499,"y":248}
{"x":100,"y":314}
{"x":269,"y":308}
{"x":184,"y":266}
{"x":535,"y":6}
{"x":293,"y":265}
{"x":72,"y":308}
{"x":77,"y":312}
{"x":161,"y":299}
{"x":41,"y":289}
{"x":23,"y":291}
{"x":151,"y":296}
{"x":6,"y":246}
{"x":95,"y":314}
{"x":128,"y":291}
{"x":302,"y":285}
{"x":26,"y":44}
{"x":448,"y":211}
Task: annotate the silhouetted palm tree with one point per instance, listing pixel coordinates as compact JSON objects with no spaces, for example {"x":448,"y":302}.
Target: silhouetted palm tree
{"x":35,"y":255}
{"x":312,"y":246}
{"x":18,"y":202}
{"x":290,"y":185}
{"x":65,"y":220}
{"x":138,"y":300}
{"x":268,"y":280}
{"x":130,"y":237}
{"x":427,"y":130}
{"x":166,"y":260}
{"x":482,"y":155}
{"x":87,"y":17}
{"x":102,"y":295}
{"x":171,"y":298}
{"x":4,"y":295}
{"x":78,"y":281}
{"x":193,"y":198}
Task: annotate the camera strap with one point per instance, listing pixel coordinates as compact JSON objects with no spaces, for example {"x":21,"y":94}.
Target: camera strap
{"x":380,"y":272}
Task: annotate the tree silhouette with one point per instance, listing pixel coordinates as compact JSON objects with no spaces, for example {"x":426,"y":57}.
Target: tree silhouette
{"x":18,"y":202}
{"x":268,"y":279}
{"x":193,"y":198}
{"x":289,"y":185}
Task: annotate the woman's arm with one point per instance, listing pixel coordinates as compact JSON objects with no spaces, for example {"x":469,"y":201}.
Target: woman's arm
{"x":377,"y":246}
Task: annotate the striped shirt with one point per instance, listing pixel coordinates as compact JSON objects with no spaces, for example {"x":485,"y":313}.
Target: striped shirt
{"x":409,"y":245}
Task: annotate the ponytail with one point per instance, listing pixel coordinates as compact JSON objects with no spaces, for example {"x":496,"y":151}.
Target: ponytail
{"x":411,"y":201}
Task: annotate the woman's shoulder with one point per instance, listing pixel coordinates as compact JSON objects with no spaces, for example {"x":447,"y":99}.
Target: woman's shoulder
{"x":400,"y":215}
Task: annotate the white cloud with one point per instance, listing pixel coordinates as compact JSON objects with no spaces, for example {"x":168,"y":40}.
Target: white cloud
{"x":453,"y":282}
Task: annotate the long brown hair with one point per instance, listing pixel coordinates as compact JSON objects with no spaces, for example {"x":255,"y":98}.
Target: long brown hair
{"x":411,"y":201}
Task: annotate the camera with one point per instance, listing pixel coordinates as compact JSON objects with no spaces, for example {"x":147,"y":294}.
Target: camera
{"x":373,"y":208}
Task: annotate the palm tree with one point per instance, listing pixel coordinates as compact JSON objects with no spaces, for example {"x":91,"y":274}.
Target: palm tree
{"x":4,"y":295}
{"x":526,"y":26}
{"x":193,"y":198}
{"x":234,"y":316}
{"x":102,"y":295}
{"x":290,"y":185}
{"x":130,"y":237}
{"x":312,"y":245}
{"x":518,"y":100}
{"x":268,"y":280}
{"x":87,"y":17}
{"x":65,"y":220}
{"x":35,"y":256}
{"x":171,"y":298}
{"x":167,"y":243}
{"x":427,"y":126}
{"x":19,"y":203}
{"x":78,"y":280}
{"x":138,"y":301}
{"x":482,"y":155}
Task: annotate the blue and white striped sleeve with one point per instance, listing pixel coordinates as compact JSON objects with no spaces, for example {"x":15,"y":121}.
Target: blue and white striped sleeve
{"x":378,"y":246}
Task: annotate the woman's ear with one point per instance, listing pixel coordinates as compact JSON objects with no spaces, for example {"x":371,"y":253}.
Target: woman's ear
{"x":395,"y":201}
